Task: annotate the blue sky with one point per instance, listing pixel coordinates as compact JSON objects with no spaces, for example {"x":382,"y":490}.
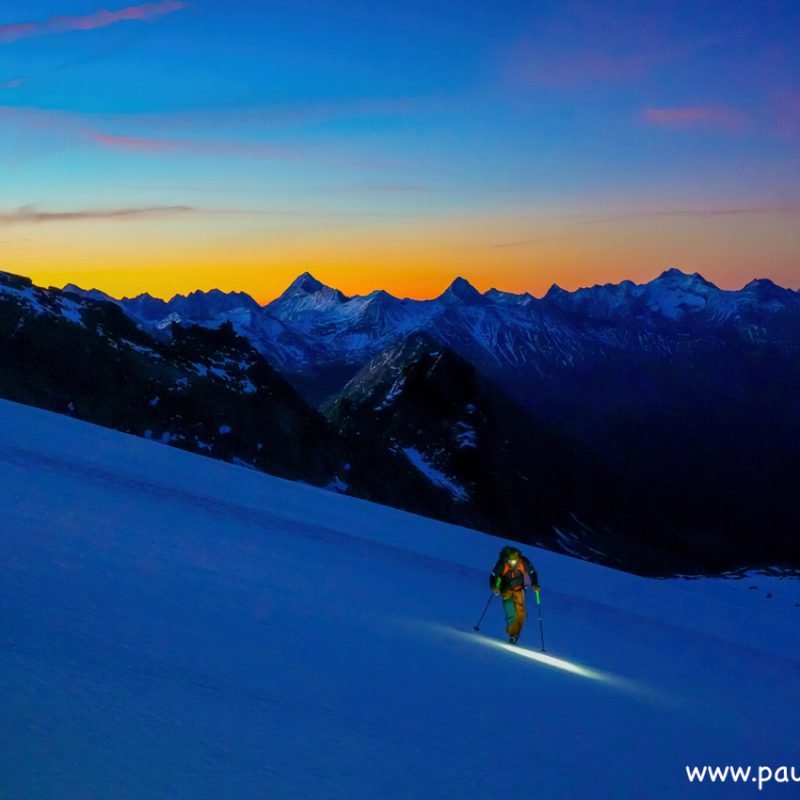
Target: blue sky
{"x":374,"y":141}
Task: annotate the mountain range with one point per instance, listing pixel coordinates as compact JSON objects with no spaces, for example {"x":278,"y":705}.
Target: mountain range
{"x":650,"y":426}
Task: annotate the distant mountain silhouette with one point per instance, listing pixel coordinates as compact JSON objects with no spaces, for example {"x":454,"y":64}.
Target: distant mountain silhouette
{"x":651,"y":426}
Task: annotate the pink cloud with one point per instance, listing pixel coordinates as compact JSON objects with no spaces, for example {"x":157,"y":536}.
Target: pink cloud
{"x":19,"y":30}
{"x":139,"y":144}
{"x":688,"y":118}
{"x":101,"y":130}
{"x":155,"y":145}
{"x":99,"y":19}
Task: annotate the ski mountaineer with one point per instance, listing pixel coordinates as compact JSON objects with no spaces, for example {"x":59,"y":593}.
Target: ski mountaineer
{"x":512,"y":575}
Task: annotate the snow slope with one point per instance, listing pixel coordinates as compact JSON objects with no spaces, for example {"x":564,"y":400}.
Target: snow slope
{"x":177,"y":628}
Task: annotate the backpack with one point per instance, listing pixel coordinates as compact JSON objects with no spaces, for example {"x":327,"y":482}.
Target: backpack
{"x":526,"y":578}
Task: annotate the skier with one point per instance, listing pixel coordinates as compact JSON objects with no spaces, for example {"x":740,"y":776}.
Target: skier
{"x":512,"y":574}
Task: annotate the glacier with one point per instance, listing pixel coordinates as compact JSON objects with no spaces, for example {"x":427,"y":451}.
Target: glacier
{"x":177,"y":627}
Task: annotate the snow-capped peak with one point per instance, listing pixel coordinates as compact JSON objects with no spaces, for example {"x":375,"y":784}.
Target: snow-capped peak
{"x":462,"y":291}
{"x":380,"y":296}
{"x":304,"y":294}
{"x":694,"y":281}
{"x":304,"y":284}
{"x":509,"y":298}
{"x":763,"y":289}
{"x":92,"y":294}
{"x":555,"y":291}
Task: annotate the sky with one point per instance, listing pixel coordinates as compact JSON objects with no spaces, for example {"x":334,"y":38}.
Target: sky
{"x":176,"y":145}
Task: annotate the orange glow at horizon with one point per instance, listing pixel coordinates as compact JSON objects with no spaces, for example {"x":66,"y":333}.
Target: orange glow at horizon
{"x":417,"y":261}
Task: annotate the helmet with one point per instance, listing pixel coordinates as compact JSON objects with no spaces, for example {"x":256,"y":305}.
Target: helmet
{"x":510,"y":554}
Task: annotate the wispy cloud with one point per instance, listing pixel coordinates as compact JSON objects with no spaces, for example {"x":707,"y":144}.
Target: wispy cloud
{"x":102,"y":18}
{"x":138,"y":144}
{"x":15,"y":83}
{"x":33,"y":215}
{"x":379,"y":188}
{"x":27,"y":215}
{"x":156,"y":145}
{"x":778,"y":208}
{"x":196,"y":132}
{"x":688,"y":118}
{"x":81,"y":126}
{"x":571,"y":221}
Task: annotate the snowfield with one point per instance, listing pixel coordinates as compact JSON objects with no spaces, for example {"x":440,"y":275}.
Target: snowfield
{"x":175,"y":628}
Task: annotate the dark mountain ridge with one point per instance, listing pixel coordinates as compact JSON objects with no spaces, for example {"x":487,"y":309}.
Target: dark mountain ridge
{"x":650,"y":426}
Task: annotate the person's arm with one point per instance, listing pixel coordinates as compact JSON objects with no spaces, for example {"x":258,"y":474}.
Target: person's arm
{"x":531,"y":570}
{"x":495,"y":578}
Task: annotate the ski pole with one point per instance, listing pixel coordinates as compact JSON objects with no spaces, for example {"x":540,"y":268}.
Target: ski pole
{"x":477,"y":626}
{"x":539,"y":609}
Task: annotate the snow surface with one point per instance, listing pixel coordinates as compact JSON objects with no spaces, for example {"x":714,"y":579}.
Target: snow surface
{"x":176,"y":628}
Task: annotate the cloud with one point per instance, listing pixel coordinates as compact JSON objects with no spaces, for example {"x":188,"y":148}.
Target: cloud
{"x":31,"y":215}
{"x":27,"y":215}
{"x":98,"y":19}
{"x":688,"y":213}
{"x":12,"y":84}
{"x":380,"y":188}
{"x":81,"y":126}
{"x":137,"y":144}
{"x":687,"y":118}
{"x":781,"y":208}
{"x":194,"y":133}
{"x":156,"y":145}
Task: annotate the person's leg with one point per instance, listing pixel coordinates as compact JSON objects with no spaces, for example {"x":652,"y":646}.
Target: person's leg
{"x":518,"y":600}
{"x":510,"y":610}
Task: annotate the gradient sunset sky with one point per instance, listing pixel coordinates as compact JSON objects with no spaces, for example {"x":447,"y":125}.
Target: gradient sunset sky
{"x":178,"y":145}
